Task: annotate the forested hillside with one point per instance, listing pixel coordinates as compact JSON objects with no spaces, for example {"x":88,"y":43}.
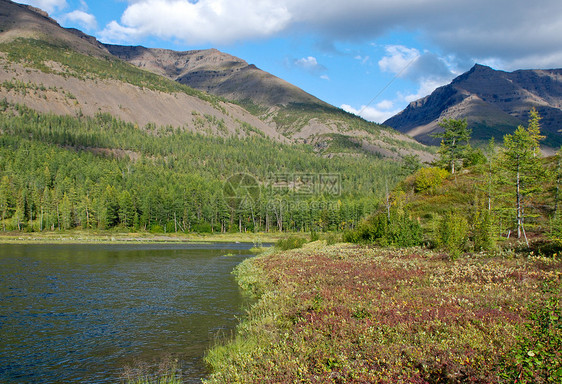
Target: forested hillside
{"x":90,"y":141}
{"x":61,"y":172}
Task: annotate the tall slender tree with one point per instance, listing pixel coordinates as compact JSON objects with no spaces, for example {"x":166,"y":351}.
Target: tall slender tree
{"x":520,"y":159}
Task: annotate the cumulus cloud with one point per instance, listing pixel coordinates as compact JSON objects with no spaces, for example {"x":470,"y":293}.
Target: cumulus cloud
{"x":203,"y":21}
{"x":426,"y":69}
{"x":49,"y":6}
{"x":311,"y":65}
{"x":378,"y":113}
{"x":398,"y":58}
{"x":508,"y":30}
{"x":83,"y":19}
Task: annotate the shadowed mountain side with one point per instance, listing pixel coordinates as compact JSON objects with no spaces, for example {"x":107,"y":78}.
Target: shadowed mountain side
{"x":217,"y":73}
{"x":493,"y":102}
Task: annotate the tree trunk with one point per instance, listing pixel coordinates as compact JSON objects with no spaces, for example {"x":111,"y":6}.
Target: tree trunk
{"x":557,"y":192}
{"x":518,"y":204}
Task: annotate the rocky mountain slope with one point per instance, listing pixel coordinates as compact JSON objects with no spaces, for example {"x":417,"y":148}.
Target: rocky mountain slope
{"x":290,"y":110}
{"x":218,"y":73}
{"x":493,"y":102}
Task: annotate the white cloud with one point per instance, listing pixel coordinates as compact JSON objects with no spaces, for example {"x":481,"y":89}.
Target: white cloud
{"x":380,"y":113}
{"x":204,"y":21}
{"x":49,"y":6}
{"x":308,"y":63}
{"x":426,"y":69}
{"x":83,"y":19}
{"x":398,"y":58}
{"x":311,"y":65}
{"x":511,"y":31}
{"x":362,"y":59}
{"x":425,"y":88}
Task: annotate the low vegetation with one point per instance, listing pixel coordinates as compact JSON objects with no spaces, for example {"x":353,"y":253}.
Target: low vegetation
{"x":356,"y":314}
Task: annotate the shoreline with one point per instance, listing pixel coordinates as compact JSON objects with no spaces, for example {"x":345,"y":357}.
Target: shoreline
{"x":107,"y":237}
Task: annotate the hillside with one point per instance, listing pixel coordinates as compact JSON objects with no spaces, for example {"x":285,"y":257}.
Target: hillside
{"x":493,"y":102}
{"x":90,"y":141}
{"x":286,"y":108}
{"x":64,"y":71}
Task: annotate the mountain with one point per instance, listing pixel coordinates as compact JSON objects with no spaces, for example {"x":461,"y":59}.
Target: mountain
{"x":204,"y":91}
{"x":493,"y":102}
{"x":88,"y":140}
{"x":218,"y":73}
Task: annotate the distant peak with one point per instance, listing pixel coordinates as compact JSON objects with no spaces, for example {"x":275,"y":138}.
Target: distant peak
{"x":480,"y":67}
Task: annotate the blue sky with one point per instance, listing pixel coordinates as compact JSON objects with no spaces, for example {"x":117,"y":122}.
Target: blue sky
{"x":370,"y":57}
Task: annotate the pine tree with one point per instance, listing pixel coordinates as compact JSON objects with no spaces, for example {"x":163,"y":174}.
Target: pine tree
{"x":4,"y":199}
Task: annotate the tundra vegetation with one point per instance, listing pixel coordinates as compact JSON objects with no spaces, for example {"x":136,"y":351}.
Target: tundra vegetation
{"x":439,"y":287}
{"x":356,"y":313}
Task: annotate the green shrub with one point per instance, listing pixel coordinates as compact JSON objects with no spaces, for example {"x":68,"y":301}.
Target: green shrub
{"x":429,"y":178}
{"x":453,"y":233}
{"x":404,"y":231}
{"x":332,"y":238}
{"x":537,"y":357}
{"x":156,"y":228}
{"x":314,"y":236}
{"x":202,"y":228}
{"x":351,"y":236}
{"x":400,"y":230}
{"x":291,"y":242}
{"x":482,"y":234}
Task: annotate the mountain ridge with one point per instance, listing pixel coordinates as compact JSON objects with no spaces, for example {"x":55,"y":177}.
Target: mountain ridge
{"x":493,"y":102}
{"x":216,"y":72}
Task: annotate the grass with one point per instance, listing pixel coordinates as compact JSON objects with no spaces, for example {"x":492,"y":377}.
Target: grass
{"x":356,"y":314}
{"x":111,"y":237}
{"x":167,"y":372}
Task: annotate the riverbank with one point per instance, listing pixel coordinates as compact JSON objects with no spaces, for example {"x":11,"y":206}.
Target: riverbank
{"x":112,"y":237}
{"x":355,"y":314}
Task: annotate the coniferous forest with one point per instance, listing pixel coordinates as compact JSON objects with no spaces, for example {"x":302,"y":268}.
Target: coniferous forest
{"x":64,"y":172}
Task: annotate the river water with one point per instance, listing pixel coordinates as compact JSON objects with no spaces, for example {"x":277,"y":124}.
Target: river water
{"x":81,"y":313}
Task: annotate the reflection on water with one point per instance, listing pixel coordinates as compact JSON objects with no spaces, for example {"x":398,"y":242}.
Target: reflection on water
{"x":80,"y":313}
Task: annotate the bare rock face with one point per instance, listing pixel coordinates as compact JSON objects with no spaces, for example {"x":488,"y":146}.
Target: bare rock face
{"x":493,"y":102}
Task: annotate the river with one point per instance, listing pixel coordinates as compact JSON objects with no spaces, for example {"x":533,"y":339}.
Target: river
{"x":81,"y":313}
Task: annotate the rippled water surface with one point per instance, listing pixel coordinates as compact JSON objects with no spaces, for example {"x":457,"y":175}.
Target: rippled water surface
{"x":80,"y":313}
